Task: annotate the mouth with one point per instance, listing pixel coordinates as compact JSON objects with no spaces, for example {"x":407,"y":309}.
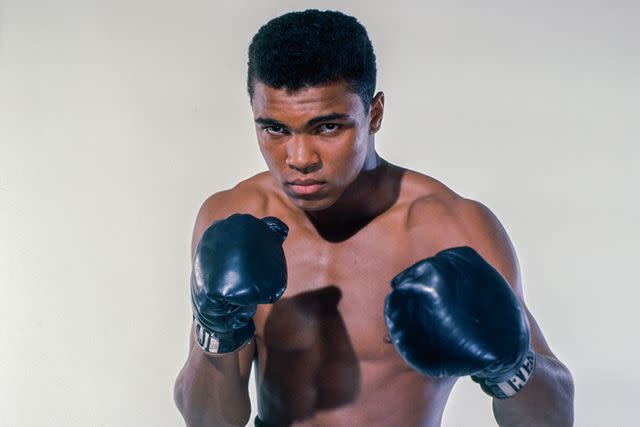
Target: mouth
{"x":305,"y":187}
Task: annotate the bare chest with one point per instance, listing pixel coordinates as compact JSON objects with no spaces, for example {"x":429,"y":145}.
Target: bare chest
{"x":335,"y":296}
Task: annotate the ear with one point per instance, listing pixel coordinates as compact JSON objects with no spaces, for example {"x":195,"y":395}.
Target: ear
{"x":377,"y":110}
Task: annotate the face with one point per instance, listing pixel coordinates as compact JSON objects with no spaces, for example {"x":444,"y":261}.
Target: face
{"x":315,"y":141}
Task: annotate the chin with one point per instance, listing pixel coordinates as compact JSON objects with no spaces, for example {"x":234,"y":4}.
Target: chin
{"x":311,"y":205}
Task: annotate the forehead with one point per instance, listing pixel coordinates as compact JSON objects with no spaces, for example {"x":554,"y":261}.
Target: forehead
{"x":306,"y":102}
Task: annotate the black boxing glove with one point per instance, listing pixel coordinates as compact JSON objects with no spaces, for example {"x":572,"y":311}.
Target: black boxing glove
{"x":453,"y":314}
{"x":238,"y":264}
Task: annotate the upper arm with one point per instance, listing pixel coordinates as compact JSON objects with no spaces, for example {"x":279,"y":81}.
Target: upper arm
{"x":488,"y":237}
{"x":243,"y":198}
{"x":215,"y":207}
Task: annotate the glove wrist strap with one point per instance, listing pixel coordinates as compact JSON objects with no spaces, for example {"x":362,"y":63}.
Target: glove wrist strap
{"x":514,"y":383}
{"x":215,"y":343}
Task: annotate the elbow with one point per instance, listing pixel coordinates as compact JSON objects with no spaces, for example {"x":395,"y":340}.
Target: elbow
{"x":181,"y":401}
{"x":562,"y":407}
{"x":568,"y":391}
{"x":198,"y":413}
{"x":192,"y":414}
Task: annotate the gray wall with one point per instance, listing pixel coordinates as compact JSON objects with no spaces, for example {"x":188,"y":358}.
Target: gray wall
{"x":117,"y":119}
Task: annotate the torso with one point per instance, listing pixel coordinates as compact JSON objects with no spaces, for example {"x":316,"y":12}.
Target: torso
{"x":323,"y":353}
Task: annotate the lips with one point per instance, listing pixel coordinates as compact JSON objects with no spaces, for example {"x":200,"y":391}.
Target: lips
{"x":305,"y":186}
{"x":305,"y":182}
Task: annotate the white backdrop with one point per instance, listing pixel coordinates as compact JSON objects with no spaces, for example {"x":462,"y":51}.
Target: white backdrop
{"x":117,"y":119}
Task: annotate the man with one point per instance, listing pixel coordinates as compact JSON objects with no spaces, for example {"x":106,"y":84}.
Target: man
{"x":360,"y":290}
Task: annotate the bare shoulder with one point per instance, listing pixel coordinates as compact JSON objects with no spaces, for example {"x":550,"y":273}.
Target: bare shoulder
{"x":248,"y":196}
{"x":429,"y":201}
{"x":445,"y":219}
{"x":426,"y":198}
{"x":251,"y":196}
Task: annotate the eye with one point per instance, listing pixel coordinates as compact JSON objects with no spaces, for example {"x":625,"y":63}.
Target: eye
{"x":328,"y":127}
{"x":275,"y":129}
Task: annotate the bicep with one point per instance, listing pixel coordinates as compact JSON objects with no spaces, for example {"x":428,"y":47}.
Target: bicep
{"x":490,"y":239}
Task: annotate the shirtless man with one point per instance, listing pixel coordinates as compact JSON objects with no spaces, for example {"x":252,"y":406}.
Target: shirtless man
{"x":328,"y":283}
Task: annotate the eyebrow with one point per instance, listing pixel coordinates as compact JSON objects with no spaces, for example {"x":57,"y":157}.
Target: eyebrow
{"x":319,"y":119}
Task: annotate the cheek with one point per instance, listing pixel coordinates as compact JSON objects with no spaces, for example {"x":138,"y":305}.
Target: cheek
{"x":270,"y":155}
{"x":359,"y":148}
{"x":350,"y":160}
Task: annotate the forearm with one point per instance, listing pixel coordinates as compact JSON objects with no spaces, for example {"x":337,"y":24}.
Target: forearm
{"x":210,"y":391}
{"x":546,"y":400}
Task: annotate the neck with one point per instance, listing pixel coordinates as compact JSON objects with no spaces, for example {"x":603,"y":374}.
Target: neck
{"x":368,"y":196}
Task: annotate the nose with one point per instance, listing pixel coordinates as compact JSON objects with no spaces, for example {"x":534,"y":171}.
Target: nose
{"x":301,"y":155}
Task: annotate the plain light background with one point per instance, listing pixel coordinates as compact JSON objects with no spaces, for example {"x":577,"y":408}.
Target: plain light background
{"x":118,"y":118}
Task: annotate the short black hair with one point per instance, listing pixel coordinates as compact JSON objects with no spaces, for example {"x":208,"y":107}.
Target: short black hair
{"x":312,"y":48}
